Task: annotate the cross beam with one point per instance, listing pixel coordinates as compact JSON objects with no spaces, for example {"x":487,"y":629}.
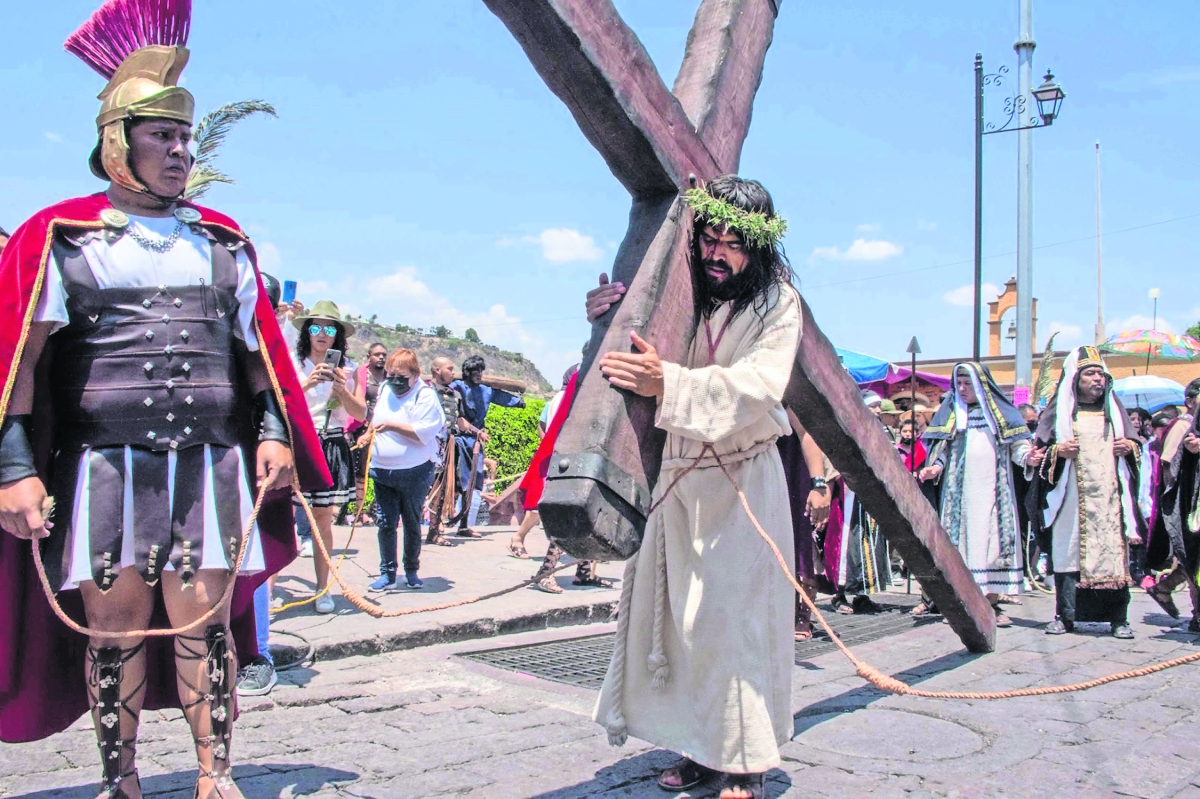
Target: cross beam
{"x":658,"y":143}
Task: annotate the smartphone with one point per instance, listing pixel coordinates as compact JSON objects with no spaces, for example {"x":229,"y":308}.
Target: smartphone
{"x":289,"y":292}
{"x":333,"y":358}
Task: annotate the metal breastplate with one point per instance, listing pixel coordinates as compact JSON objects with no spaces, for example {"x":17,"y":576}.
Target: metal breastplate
{"x":150,"y":367}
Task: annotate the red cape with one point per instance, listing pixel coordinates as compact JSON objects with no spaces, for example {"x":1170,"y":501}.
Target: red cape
{"x":42,"y":686}
{"x":534,"y":481}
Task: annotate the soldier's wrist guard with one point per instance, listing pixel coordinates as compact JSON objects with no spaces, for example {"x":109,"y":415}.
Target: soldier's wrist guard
{"x":273,"y":424}
{"x":16,"y":453}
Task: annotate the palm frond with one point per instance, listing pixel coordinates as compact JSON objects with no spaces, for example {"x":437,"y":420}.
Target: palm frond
{"x":201,"y":178}
{"x":1043,"y":387}
{"x":211,"y":131}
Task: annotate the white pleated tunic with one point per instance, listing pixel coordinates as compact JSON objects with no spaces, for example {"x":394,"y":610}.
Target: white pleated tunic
{"x":124,"y":263}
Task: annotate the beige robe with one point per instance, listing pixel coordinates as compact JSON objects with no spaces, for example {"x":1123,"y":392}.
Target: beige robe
{"x":723,"y":652}
{"x":1091,"y":536}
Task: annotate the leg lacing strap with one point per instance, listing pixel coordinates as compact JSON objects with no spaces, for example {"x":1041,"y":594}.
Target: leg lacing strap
{"x":213,"y":650}
{"x":105,"y":679}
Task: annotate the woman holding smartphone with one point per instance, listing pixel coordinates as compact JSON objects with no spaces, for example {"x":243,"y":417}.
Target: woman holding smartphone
{"x":333,"y":402}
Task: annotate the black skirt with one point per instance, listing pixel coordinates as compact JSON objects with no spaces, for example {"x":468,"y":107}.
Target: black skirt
{"x":340,"y":461}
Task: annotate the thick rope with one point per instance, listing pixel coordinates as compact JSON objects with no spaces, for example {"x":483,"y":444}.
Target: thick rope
{"x":125,"y":635}
{"x":891,"y":684}
{"x":618,"y":731}
{"x":656,"y":661}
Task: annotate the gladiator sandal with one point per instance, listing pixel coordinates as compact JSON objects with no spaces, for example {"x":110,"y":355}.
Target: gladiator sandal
{"x":115,"y":715}
{"x":208,"y":704}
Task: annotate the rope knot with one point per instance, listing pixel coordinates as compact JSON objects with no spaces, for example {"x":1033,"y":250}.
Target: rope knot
{"x":657,"y":664}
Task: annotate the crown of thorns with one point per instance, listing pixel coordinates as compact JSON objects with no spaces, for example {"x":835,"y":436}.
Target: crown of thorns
{"x":755,"y":227}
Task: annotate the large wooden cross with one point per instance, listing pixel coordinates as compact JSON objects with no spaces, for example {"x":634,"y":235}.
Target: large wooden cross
{"x":658,"y":143}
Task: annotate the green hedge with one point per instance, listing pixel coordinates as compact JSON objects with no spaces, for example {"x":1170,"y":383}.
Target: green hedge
{"x":515,"y":437}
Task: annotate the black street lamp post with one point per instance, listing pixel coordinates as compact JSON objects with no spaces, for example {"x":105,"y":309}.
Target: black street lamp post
{"x":1049,"y":97}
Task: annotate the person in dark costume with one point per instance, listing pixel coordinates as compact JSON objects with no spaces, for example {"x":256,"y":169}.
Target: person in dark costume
{"x":1085,"y":496}
{"x":1174,"y":545}
{"x":148,"y":389}
{"x":476,"y":399}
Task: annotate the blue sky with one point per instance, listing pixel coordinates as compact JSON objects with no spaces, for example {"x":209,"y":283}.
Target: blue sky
{"x":420,"y":169}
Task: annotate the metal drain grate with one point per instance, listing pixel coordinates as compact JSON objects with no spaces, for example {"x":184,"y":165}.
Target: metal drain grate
{"x":583,"y":661}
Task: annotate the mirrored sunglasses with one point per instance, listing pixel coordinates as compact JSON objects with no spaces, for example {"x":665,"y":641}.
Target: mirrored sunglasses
{"x":330,"y":330}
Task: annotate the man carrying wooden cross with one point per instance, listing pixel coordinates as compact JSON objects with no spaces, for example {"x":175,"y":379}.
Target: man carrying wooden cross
{"x":704,"y":651}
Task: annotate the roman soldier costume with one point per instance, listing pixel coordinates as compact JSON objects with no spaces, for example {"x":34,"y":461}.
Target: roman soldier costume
{"x":143,"y":426}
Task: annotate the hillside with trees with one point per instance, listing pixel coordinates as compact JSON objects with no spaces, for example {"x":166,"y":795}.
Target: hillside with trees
{"x":441,"y":341}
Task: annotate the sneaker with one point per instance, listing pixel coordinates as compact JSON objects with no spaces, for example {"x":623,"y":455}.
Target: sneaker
{"x":413,"y":581}
{"x":1058,"y":627}
{"x":386,"y":582}
{"x":256,"y":678}
{"x":324,"y":604}
{"x":1122,"y":631}
{"x":306,"y":548}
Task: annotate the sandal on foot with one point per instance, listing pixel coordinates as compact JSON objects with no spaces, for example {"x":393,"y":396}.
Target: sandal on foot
{"x":1009,"y":599}
{"x":1165,"y":600}
{"x":549,"y":585}
{"x":439,"y":541}
{"x":687,"y":773}
{"x":842,"y":606}
{"x":517,"y":551}
{"x":593,"y":582}
{"x":744,"y":786}
{"x":923,"y":609}
{"x":1002,"y":619}
{"x":803,"y":636}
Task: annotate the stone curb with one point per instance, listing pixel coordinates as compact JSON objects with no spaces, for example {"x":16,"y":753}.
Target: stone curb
{"x":473,"y":629}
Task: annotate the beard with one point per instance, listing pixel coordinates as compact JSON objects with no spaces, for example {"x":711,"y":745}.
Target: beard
{"x":729,"y":288}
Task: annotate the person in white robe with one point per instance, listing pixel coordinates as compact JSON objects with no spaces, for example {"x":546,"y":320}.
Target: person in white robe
{"x":705,"y":652}
{"x":974,"y":441}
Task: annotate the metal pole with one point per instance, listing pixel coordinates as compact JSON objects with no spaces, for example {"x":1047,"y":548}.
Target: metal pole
{"x":912,"y":410}
{"x":1099,"y":261}
{"x":1024,"y":356}
{"x":1153,"y":326}
{"x":978,"y":207}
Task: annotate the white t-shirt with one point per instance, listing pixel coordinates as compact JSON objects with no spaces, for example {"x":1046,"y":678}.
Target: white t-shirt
{"x":422,"y":409}
{"x":318,"y":396}
{"x":125,"y":264}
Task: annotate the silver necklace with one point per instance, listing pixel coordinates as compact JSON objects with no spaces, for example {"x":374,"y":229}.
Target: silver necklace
{"x":159,"y":246}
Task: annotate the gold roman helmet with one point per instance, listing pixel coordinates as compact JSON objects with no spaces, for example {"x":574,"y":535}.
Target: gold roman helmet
{"x":142,"y":82}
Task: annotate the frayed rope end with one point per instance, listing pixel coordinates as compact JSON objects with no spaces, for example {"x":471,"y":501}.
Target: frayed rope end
{"x":658,"y":665}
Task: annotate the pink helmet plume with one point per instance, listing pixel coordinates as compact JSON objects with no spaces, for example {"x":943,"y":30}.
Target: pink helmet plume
{"x":119,"y":27}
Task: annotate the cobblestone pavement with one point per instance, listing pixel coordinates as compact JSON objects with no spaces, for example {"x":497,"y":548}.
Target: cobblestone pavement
{"x":425,"y":722}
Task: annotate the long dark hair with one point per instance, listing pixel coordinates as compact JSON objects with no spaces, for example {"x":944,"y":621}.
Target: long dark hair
{"x":304,"y":344}
{"x":767,"y":266}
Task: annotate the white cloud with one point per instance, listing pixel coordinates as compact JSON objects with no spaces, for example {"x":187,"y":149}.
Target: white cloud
{"x":563,"y":245}
{"x":53,"y":137}
{"x":559,"y":245}
{"x":1139,"y":322}
{"x":860,"y":250}
{"x":1068,"y":335}
{"x":964,"y":296}
{"x":866,"y":228}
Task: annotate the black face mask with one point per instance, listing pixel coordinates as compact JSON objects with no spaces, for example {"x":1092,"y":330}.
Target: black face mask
{"x":400,"y":384}
{"x":1032,"y":426}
